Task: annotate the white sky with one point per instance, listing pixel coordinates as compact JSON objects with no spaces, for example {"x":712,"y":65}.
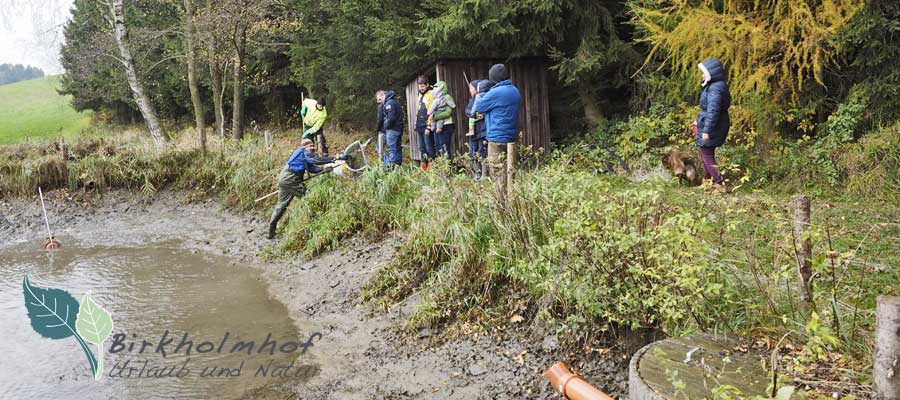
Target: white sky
{"x":31,"y":32}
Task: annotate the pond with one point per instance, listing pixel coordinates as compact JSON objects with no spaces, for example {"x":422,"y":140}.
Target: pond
{"x":185,"y":325}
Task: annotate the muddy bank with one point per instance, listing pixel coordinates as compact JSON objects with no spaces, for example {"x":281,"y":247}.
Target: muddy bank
{"x":363,"y":354}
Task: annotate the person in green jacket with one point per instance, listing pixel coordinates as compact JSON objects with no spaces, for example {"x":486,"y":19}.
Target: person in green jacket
{"x":440,"y":119}
{"x":314,"y":115}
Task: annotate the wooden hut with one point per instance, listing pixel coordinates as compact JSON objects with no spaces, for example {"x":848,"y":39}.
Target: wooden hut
{"x":528,"y":74}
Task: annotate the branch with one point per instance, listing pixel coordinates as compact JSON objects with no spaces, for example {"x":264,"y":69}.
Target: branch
{"x":164,"y":60}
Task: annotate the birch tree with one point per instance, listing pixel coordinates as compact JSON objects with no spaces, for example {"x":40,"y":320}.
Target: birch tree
{"x":116,"y":19}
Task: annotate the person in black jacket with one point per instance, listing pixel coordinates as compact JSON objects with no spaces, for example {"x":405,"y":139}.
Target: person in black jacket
{"x":393,"y":128}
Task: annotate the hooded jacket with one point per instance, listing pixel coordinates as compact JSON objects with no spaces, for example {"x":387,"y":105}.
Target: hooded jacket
{"x":442,"y":107}
{"x":715,"y":99}
{"x":393,"y":115}
{"x":314,"y":117}
{"x":500,"y":106}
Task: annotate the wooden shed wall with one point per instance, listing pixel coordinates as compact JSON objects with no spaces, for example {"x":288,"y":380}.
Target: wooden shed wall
{"x":412,"y":103}
{"x":530,"y":76}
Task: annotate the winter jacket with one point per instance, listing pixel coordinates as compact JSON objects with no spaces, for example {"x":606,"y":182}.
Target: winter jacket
{"x":303,"y":160}
{"x":714,"y":102}
{"x":500,"y":107}
{"x":379,"y":118}
{"x":393,"y":114}
{"x":314,"y":117}
{"x":442,"y":107}
{"x":425,"y":100}
{"x":480,"y":130}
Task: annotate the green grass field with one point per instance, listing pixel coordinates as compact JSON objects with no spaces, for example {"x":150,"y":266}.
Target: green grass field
{"x":33,"y":109}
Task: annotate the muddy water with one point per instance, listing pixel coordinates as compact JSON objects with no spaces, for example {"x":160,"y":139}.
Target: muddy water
{"x":147,"y":291}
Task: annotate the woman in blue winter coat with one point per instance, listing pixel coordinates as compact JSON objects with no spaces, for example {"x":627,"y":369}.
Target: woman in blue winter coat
{"x":713,"y":122}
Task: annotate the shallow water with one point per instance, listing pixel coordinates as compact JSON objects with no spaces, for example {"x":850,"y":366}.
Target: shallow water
{"x":147,"y":291}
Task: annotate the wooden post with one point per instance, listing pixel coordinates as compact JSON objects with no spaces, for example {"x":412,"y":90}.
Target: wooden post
{"x":803,"y":247}
{"x":512,"y":154}
{"x":886,"y":372}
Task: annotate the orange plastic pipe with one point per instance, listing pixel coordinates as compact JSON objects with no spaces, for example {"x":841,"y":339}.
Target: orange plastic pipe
{"x":571,"y":386}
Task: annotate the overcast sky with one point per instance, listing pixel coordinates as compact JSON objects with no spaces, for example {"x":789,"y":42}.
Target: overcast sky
{"x":31,"y":32}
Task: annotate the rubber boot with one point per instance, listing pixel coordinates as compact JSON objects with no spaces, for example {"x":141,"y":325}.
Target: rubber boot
{"x":272,"y":226}
{"x":483,"y":170}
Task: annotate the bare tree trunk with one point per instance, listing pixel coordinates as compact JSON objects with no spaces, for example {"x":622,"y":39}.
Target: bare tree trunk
{"x":591,"y":109}
{"x":886,"y":372}
{"x":803,"y":247}
{"x":117,"y":10}
{"x":237,"y":123}
{"x":189,"y":37}
{"x":215,"y":74}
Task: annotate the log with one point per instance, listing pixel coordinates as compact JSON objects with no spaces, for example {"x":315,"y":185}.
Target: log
{"x":886,"y":372}
{"x":803,"y":246}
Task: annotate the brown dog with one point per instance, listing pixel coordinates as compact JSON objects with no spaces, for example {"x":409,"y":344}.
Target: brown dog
{"x":682,"y":165}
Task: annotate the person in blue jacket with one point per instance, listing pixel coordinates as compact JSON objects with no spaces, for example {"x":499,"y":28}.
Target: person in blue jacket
{"x":500,"y":106}
{"x":478,"y":132}
{"x":713,"y":122}
{"x":393,"y":128}
{"x":290,"y":181}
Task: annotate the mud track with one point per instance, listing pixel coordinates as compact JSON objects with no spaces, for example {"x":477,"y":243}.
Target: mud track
{"x":364,"y":354}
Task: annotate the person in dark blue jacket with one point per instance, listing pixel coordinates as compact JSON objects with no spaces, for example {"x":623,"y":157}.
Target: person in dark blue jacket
{"x":393,"y":128}
{"x":500,"y":106}
{"x":290,"y":181}
{"x":478,"y":135}
{"x":713,"y":122}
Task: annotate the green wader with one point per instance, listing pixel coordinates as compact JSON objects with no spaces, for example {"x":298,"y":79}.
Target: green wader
{"x":290,"y":185}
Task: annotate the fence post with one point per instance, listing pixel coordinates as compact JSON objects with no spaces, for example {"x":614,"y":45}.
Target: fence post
{"x":886,"y":372}
{"x":803,"y":247}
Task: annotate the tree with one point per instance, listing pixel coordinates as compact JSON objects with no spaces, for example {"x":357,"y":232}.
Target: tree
{"x":778,"y":53}
{"x":358,"y":43}
{"x":117,"y":20}
{"x":12,"y":73}
{"x":190,"y":46}
{"x":212,"y":32}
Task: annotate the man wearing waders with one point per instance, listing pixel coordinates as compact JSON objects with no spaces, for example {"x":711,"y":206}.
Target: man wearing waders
{"x":290,"y":181}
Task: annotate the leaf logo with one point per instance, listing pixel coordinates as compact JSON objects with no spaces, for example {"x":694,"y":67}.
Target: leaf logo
{"x":55,"y":314}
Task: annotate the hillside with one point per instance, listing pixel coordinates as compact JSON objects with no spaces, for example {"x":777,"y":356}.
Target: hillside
{"x":34,"y":109}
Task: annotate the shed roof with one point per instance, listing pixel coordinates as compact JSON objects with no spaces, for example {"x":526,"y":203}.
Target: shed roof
{"x":428,"y":65}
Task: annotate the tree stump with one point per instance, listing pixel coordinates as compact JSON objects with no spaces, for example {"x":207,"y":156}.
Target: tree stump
{"x":690,"y":367}
{"x":886,"y":372}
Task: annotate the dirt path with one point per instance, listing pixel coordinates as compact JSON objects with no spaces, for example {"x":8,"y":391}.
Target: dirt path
{"x":363,"y":354}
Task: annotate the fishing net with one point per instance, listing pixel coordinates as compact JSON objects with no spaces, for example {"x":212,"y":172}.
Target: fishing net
{"x":356,"y":160}
{"x":356,"y":157}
